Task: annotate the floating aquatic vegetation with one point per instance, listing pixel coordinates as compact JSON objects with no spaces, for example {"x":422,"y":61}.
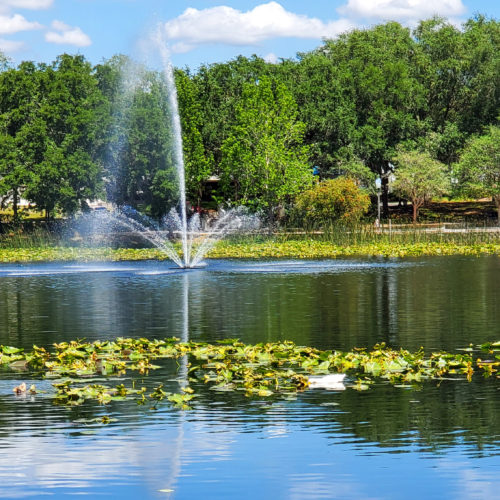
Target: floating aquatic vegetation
{"x":268,"y":248}
{"x":261,"y":370}
{"x":316,"y":249}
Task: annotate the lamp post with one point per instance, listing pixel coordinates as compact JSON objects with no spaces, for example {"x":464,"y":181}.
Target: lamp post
{"x":378,"y":186}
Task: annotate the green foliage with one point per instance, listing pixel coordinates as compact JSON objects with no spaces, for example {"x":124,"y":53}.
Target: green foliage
{"x":22,"y":131}
{"x":219,"y":88}
{"x":440,"y":65}
{"x":197,"y":164}
{"x":67,"y":129}
{"x":325,"y":105}
{"x":334,"y":200}
{"x":419,"y":178}
{"x":459,"y":70}
{"x":479,"y":166}
{"x":362,"y":240}
{"x":70,"y":171}
{"x":357,"y":243}
{"x":264,"y":162}
{"x":50,"y":131}
{"x":444,"y":146}
{"x":375,"y":68}
{"x":356,"y":170}
{"x":261,"y":370}
{"x":368,"y":91}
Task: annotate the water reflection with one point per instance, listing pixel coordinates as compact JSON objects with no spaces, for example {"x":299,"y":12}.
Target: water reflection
{"x":436,"y":303}
{"x":306,"y":448}
{"x":320,"y":445}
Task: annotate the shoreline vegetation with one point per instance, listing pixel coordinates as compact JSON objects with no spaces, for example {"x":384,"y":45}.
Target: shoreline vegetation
{"x":450,"y":228}
{"x":271,"y":248}
{"x":458,"y":228}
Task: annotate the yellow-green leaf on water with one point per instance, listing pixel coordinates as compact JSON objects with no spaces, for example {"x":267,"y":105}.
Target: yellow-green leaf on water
{"x":259,"y":370}
{"x":264,"y":393}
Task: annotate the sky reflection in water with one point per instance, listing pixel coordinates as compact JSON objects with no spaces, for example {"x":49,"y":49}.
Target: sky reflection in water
{"x":386,"y":443}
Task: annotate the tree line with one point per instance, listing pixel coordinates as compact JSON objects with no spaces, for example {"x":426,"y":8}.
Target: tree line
{"x":419,"y":106}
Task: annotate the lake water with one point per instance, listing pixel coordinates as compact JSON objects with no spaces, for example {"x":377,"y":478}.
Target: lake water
{"x":440,"y":441}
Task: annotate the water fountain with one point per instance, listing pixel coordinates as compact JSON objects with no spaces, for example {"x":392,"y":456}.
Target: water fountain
{"x":196,"y":237}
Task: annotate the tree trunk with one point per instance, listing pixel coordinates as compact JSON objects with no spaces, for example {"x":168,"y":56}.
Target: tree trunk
{"x":416,"y":204}
{"x":15,"y":202}
{"x":496,"y":199}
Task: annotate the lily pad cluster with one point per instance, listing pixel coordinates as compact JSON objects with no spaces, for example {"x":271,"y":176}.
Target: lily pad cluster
{"x":260,"y":370}
{"x":317,"y":249}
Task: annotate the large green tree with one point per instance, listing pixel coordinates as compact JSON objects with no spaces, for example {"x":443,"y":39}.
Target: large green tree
{"x":22,"y":133}
{"x":71,"y":113}
{"x":373,"y":71}
{"x":197,"y":163}
{"x":325,"y":105}
{"x":219,"y":88}
{"x":479,"y":167}
{"x":264,"y":161}
{"x":460,"y":71}
{"x":50,"y":132}
{"x":419,"y":178}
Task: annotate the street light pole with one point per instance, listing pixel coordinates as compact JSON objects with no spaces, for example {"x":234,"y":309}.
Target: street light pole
{"x":378,"y":185}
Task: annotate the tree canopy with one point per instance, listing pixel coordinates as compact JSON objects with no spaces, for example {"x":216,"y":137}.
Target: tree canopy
{"x":71,"y":132}
{"x":419,"y":178}
{"x":479,"y":167}
{"x":264,"y":162}
{"x":50,"y":133}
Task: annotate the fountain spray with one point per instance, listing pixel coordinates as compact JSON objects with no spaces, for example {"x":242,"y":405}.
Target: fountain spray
{"x":176,"y":221}
{"x":178,"y":149}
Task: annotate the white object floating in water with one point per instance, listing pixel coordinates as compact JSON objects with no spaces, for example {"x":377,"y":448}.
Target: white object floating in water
{"x":334,"y":381}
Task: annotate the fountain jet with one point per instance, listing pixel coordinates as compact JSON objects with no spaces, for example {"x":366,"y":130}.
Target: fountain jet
{"x":196,"y":237}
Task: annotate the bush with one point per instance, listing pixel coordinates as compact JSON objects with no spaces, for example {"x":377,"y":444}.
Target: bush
{"x":337,"y":200}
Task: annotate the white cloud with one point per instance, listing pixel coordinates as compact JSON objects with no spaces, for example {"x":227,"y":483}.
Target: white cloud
{"x":401,"y":10}
{"x":226,"y":25}
{"x":28,"y":4}
{"x":8,"y":5}
{"x":9,"y":46}
{"x":67,"y":35}
{"x":16,"y":23}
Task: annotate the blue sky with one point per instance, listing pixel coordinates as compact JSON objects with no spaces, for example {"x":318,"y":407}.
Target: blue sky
{"x":202,"y":31}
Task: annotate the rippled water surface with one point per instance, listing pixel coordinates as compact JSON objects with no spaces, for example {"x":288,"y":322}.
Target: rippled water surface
{"x":441,"y":441}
